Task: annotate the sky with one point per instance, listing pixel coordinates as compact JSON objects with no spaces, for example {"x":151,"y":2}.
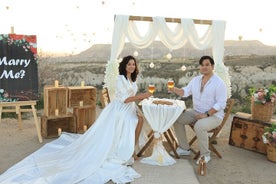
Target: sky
{"x":72,"y":26}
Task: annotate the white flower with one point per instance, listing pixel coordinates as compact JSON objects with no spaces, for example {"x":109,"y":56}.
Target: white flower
{"x":265,"y":141}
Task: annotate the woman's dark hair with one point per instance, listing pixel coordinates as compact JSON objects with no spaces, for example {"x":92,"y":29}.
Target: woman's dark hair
{"x":122,"y":68}
{"x":207,"y":57}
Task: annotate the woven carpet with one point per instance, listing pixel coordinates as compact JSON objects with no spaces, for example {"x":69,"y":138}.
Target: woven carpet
{"x":182,"y":172}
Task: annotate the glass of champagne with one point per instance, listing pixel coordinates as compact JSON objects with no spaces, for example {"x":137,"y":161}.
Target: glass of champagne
{"x":170,"y":84}
{"x":151,"y":88}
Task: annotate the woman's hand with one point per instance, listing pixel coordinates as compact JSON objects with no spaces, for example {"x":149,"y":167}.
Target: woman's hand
{"x":142,"y":96}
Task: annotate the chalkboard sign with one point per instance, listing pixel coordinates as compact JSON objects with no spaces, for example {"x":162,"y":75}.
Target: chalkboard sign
{"x":18,"y":68}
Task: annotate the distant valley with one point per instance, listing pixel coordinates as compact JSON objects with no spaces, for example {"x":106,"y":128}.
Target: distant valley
{"x":250,"y":63}
{"x":101,"y":52}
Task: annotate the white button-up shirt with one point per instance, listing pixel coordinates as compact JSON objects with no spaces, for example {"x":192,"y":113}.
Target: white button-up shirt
{"x":213,"y":95}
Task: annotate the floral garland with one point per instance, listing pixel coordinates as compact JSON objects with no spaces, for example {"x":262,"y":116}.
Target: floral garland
{"x":27,"y":42}
{"x":4,"y":96}
{"x":223,"y":72}
{"x":111,"y":73}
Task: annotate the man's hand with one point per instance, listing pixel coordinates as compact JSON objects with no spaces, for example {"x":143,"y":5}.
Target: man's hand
{"x":200,"y":116}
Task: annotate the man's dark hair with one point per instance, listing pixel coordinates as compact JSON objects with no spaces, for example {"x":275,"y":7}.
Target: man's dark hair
{"x":207,"y":57}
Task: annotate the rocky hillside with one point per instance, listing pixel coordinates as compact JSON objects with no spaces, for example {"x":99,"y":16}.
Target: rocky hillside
{"x":101,"y":52}
{"x":250,"y":64}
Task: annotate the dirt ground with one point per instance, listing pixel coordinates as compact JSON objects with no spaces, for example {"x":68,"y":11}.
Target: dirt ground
{"x":239,"y":166}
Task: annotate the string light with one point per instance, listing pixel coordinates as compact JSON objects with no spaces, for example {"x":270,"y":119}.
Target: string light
{"x":169,"y":56}
{"x":135,"y":53}
{"x":151,"y":64}
{"x":183,"y":68}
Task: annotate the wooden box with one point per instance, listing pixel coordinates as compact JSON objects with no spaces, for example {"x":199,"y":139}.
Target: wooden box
{"x":85,"y":115}
{"x":87,"y":94}
{"x":247,"y":133}
{"x":50,"y":125}
{"x":55,"y":98}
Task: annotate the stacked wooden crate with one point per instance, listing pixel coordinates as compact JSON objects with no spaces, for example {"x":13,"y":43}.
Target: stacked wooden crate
{"x":57,"y":114}
{"x":83,"y":101}
{"x":50,"y":125}
{"x":55,"y":100}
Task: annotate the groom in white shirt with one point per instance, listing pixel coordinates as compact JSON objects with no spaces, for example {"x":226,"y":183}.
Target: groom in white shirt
{"x":209,"y":95}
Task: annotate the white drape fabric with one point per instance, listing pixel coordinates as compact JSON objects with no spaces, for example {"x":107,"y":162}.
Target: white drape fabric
{"x":161,"y":118}
{"x":97,"y":156}
{"x":173,"y":39}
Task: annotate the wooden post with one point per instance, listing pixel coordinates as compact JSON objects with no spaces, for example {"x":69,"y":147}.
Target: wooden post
{"x":12,"y":30}
{"x":174,"y":20}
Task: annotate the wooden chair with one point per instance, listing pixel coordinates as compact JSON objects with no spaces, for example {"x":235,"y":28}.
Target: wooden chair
{"x":214,"y":132}
{"x":105,"y":99}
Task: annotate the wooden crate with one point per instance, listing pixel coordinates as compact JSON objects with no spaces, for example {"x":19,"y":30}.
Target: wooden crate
{"x":55,"y":98}
{"x":247,"y":134}
{"x":50,"y":125}
{"x":87,"y":94}
{"x":85,"y":115}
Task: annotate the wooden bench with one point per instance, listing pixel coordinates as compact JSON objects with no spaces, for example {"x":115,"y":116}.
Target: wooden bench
{"x":17,"y":108}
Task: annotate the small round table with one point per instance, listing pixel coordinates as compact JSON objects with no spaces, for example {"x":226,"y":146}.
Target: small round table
{"x":161,"y":116}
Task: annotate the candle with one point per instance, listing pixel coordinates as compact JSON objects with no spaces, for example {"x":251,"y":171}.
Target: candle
{"x":12,"y":30}
{"x":81,"y":103}
{"x":59,"y":131}
{"x":56,"y":83}
{"x":56,"y":112}
{"x":82,"y":83}
{"x":84,"y":128}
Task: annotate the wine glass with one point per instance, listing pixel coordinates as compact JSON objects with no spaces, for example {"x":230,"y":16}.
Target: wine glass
{"x":170,"y":84}
{"x":151,"y":88}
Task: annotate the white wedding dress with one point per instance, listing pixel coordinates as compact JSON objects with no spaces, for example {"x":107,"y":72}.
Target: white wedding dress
{"x":95,"y":157}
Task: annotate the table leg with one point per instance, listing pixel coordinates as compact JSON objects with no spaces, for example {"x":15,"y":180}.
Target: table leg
{"x":143,"y":149}
{"x":170,"y":140}
{"x":175,"y":143}
{"x":19,"y":117}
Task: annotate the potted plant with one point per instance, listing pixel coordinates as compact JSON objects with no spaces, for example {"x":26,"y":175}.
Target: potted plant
{"x":269,"y":138}
{"x":263,"y":102}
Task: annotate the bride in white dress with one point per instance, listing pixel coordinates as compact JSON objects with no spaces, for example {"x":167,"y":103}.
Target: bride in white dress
{"x":99,"y":155}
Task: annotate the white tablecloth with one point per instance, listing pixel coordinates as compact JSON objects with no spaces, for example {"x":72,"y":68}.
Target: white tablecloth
{"x":161,"y":118}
